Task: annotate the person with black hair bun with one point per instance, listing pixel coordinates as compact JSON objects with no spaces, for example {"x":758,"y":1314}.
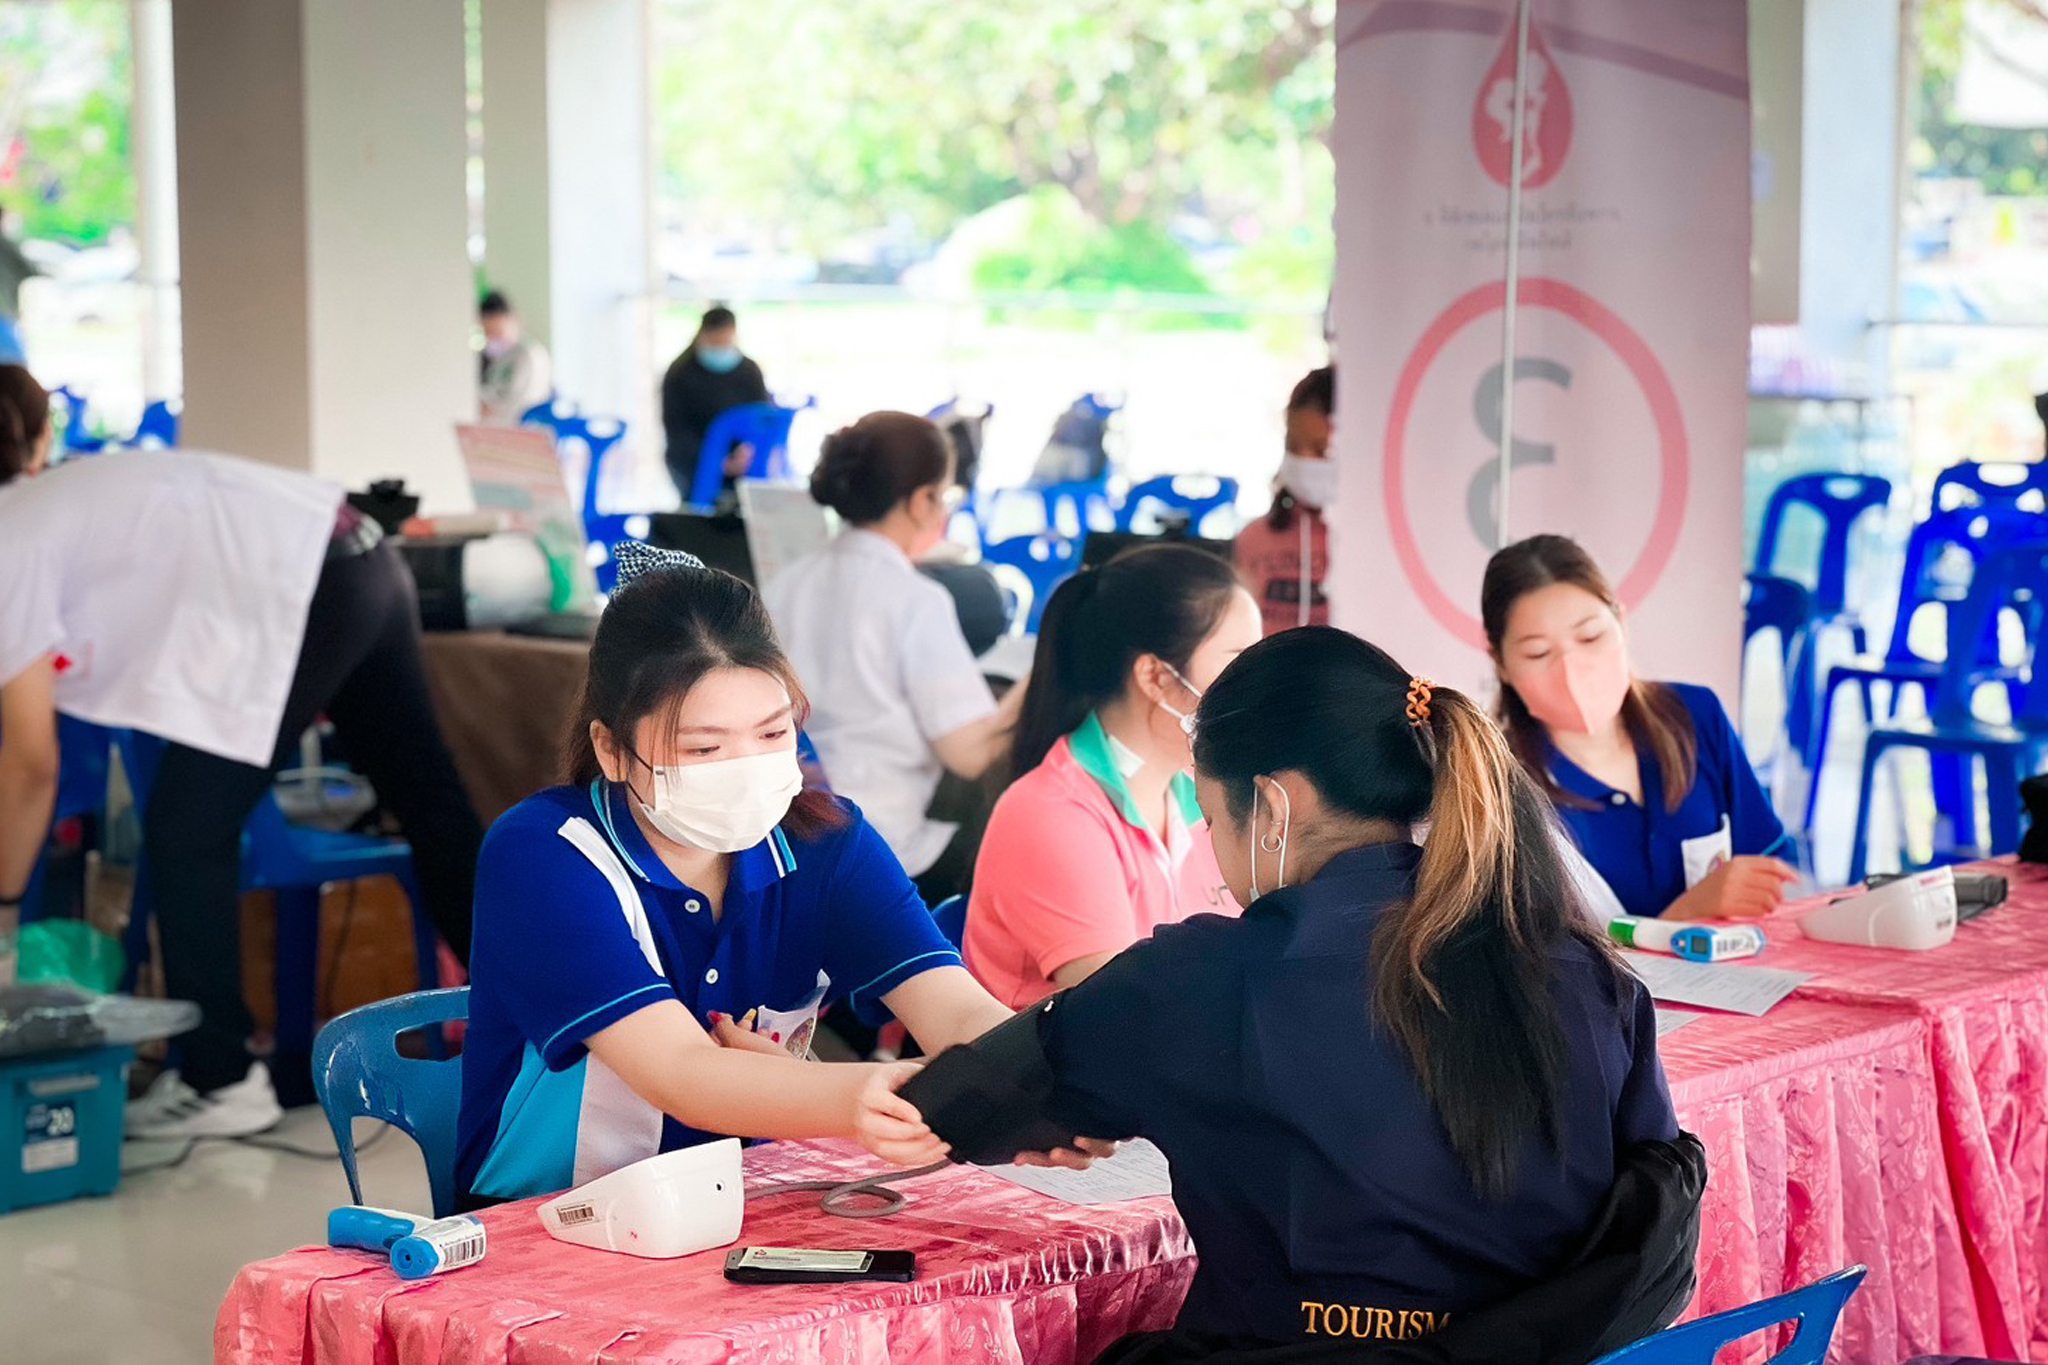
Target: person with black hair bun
{"x":1099,"y":773}
{"x":900,"y":699}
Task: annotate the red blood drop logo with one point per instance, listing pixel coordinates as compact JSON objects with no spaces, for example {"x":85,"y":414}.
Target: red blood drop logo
{"x":1546,"y":116}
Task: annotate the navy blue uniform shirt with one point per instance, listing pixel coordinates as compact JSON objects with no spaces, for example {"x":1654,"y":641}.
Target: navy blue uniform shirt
{"x":1319,"y":1185}
{"x":579,"y":924}
{"x":1651,"y":856}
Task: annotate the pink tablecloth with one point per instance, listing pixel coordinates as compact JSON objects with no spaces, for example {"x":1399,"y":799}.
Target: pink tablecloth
{"x":1823,"y":1150}
{"x":1984,"y":1001}
{"x":1004,"y":1276}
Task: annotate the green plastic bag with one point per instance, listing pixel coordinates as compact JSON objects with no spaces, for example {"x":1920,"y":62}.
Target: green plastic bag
{"x":71,"y":951}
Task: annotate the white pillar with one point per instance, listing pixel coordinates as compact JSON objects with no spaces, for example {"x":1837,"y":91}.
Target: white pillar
{"x":568,"y":191}
{"x":154,"y":125}
{"x":1849,"y":184}
{"x":327,"y":308}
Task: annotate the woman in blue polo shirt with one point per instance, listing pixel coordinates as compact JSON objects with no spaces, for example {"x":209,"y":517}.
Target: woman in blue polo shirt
{"x":1403,"y":1084}
{"x":681,"y":892}
{"x":1650,"y":778}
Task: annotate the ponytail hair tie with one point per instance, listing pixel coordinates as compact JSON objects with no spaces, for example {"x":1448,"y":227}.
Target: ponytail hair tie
{"x":1419,"y":692}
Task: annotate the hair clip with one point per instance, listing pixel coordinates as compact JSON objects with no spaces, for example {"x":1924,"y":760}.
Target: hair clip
{"x":1419,"y":691}
{"x":637,"y":557}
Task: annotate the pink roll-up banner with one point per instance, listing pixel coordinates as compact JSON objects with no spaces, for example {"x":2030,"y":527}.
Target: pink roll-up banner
{"x":1625,"y":424}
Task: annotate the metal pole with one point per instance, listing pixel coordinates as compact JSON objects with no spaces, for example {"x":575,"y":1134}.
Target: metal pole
{"x":1514,"y":277}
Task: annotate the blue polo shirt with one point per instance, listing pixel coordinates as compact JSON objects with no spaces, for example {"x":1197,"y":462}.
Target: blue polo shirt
{"x":579,"y":924}
{"x":1312,"y":1172}
{"x":1645,"y":852}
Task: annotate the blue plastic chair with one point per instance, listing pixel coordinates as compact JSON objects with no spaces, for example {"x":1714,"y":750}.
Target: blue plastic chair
{"x":1841,"y":500}
{"x":950,"y":915}
{"x":1194,"y":496}
{"x":1779,"y":604}
{"x":2014,"y":578}
{"x":552,"y":414}
{"x":78,"y":439}
{"x":358,"y":1073}
{"x":1042,"y":562}
{"x":294,"y":862}
{"x":598,"y":436}
{"x":159,"y":425}
{"x":1937,"y":548}
{"x":1992,"y":483}
{"x":1815,"y":1310}
{"x":764,"y":426}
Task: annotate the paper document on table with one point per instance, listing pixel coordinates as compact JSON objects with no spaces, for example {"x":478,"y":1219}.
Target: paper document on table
{"x":1671,"y":1021}
{"x":1714,"y":985}
{"x":1137,"y":1171}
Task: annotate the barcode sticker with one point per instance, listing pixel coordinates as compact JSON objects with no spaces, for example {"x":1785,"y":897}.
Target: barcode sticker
{"x":58,"y":1155}
{"x":468,"y":1251}
{"x":569,"y":1215}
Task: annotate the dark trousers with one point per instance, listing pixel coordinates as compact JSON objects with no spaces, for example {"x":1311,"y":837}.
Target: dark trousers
{"x":359,"y":665}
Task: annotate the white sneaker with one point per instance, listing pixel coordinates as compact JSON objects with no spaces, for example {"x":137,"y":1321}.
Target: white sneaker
{"x":172,"y":1109}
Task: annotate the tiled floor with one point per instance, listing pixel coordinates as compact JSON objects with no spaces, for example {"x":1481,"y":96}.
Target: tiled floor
{"x":135,"y":1279}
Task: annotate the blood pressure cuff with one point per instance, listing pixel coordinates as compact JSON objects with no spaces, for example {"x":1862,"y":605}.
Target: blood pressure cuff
{"x":993,"y":1098}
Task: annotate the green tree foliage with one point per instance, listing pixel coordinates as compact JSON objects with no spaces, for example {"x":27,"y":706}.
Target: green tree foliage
{"x":2005,"y":160}
{"x":64,"y":118}
{"x":827,"y":120}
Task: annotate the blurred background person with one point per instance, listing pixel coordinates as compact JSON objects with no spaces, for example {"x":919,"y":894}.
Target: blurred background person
{"x":1285,"y":557}
{"x":711,"y":376}
{"x":516,"y":373}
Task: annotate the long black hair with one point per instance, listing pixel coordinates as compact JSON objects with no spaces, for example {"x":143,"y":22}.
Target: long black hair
{"x":1655,"y":716}
{"x":1162,"y":600}
{"x":659,"y":635}
{"x":1462,"y":970}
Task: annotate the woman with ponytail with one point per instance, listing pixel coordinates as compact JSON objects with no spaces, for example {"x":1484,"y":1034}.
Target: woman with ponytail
{"x":1403,"y":1088}
{"x":1099,"y":839}
{"x":899,"y":698}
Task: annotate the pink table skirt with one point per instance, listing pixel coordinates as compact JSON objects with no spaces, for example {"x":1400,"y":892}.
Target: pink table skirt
{"x":1823,"y":1151}
{"x":1005,"y":1277}
{"x":1984,"y":1001}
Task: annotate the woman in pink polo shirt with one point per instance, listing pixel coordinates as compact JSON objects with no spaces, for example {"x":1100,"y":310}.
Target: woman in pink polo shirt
{"x":1099,"y":841}
{"x":1285,"y":555}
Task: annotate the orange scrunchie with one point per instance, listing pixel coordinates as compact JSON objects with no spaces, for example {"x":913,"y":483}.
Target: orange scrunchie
{"x":1419,"y":691}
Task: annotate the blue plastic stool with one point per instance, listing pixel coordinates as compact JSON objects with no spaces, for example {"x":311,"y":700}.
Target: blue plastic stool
{"x":598,"y":436}
{"x":358,"y":1073}
{"x":1043,"y":562}
{"x":159,"y":424}
{"x":1815,"y":1309}
{"x":550,"y":414}
{"x":2014,"y":578}
{"x":764,"y":426}
{"x":1192,"y":495}
{"x":1961,"y":535}
{"x":295,"y":863}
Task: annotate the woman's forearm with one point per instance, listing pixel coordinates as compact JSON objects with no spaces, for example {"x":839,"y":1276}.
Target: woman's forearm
{"x":720,"y":1090}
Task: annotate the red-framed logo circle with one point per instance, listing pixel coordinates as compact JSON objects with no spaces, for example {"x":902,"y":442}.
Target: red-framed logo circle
{"x":1674,"y":459}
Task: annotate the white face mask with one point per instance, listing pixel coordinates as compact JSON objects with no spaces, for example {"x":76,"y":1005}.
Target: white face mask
{"x":1275,"y":840}
{"x":726,"y":806}
{"x":1186,"y":718}
{"x":1312,"y":481}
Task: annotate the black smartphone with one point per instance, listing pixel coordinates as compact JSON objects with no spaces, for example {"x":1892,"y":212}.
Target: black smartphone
{"x":793,"y":1265}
